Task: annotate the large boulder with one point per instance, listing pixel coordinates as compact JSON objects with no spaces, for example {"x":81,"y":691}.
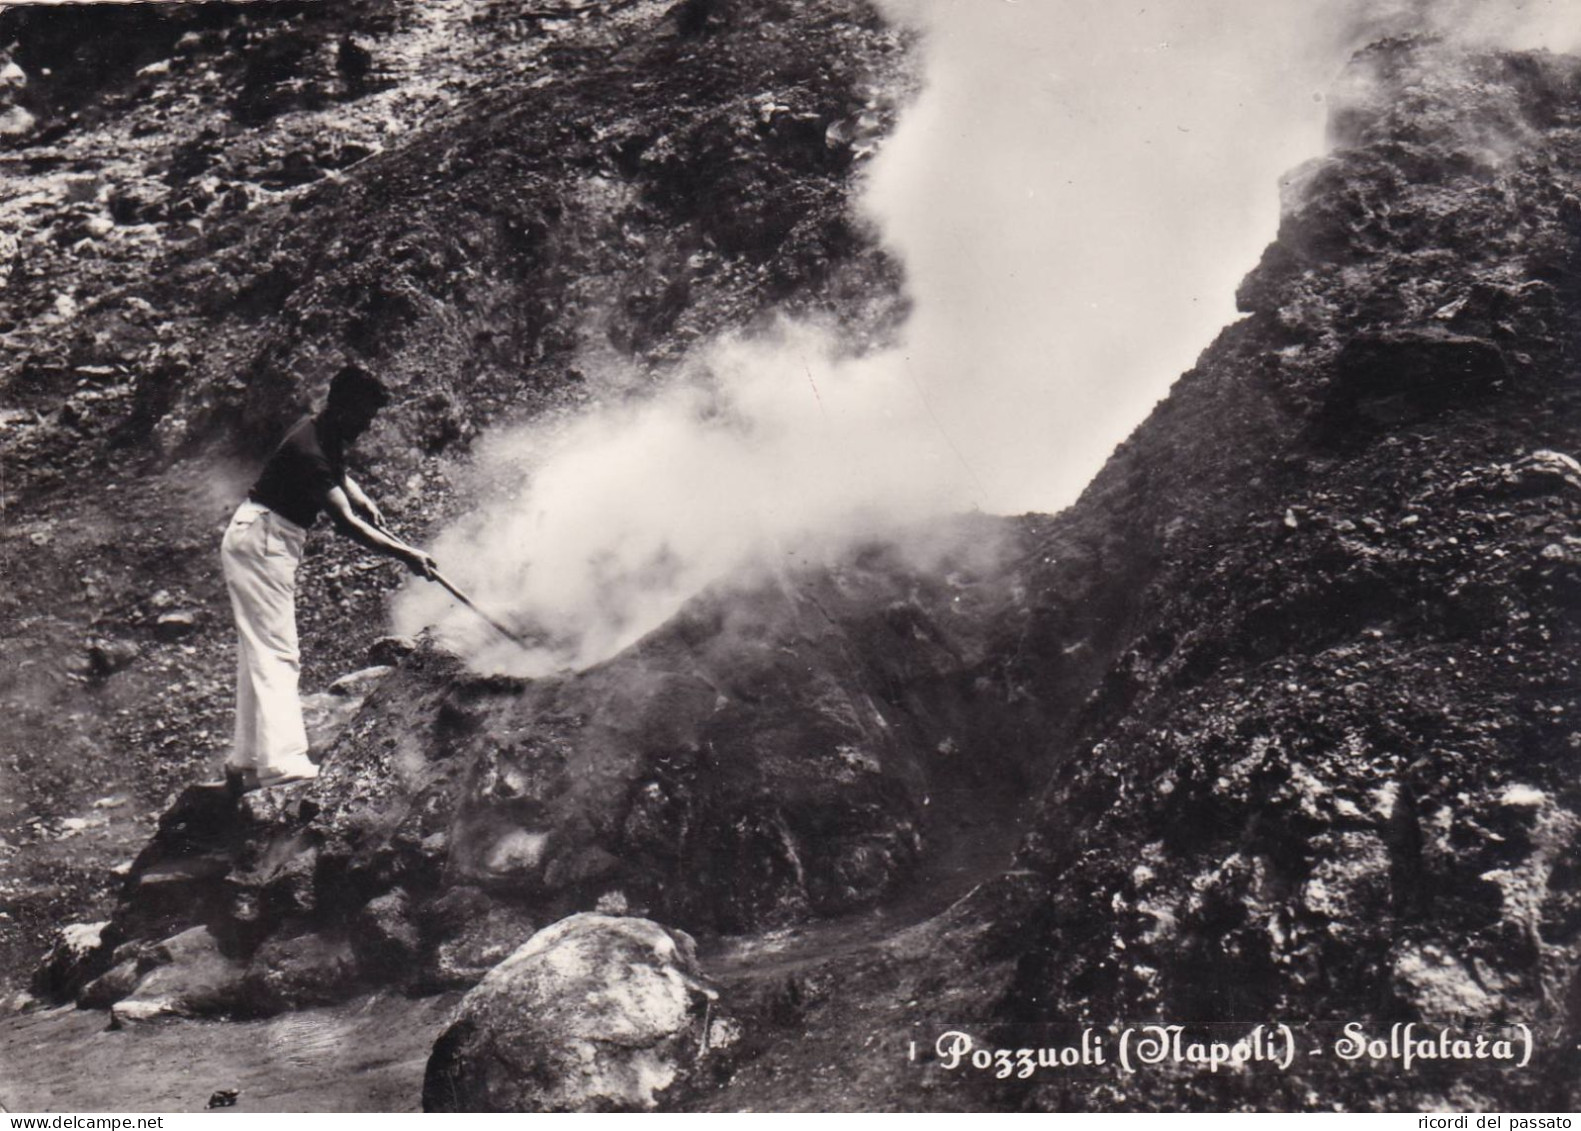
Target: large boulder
{"x":593,"y":1013}
{"x":75,"y":959}
{"x":300,"y":970}
{"x":192,"y":976}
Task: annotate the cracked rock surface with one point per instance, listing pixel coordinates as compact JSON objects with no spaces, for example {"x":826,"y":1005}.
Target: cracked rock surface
{"x":596,"y":1013}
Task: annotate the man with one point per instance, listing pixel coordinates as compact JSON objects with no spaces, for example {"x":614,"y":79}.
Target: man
{"x":260,"y":553}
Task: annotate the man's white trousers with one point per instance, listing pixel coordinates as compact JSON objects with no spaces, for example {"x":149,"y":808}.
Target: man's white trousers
{"x":259,"y":555}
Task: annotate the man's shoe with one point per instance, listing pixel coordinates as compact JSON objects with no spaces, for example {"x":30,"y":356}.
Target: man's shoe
{"x":287,"y":775}
{"x":240,"y":780}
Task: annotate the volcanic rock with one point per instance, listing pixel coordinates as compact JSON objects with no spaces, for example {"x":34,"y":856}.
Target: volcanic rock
{"x":301,"y":970}
{"x":16,"y":122}
{"x":352,"y":60}
{"x":388,"y":651}
{"x":13,"y":79}
{"x":192,"y":976}
{"x":114,"y":984}
{"x":593,"y":1013}
{"x":325,"y":714}
{"x":178,"y":623}
{"x":138,"y":205}
{"x":106,"y":657}
{"x":470,"y":934}
{"x":357,"y":684}
{"x":386,"y":938}
{"x":76,"y":958}
{"x":767,"y":758}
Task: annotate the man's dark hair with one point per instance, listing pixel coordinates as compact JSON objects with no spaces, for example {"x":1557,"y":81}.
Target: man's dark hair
{"x":355,"y":387}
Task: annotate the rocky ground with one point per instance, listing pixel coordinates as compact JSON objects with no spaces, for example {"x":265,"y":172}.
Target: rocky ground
{"x":1274,"y":726}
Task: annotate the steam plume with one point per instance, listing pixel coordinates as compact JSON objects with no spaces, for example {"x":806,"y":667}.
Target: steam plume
{"x":1074,"y":196}
{"x":773,"y":447}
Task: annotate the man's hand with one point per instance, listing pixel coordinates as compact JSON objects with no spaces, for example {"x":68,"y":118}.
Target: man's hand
{"x":361,"y":530}
{"x":422,"y":565}
{"x":375,"y":515}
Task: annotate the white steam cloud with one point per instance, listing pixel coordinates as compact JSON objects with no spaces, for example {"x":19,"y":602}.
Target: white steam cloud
{"x":774,"y":449}
{"x":1074,"y":197}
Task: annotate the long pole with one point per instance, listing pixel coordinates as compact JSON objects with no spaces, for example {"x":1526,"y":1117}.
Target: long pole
{"x":450,"y":587}
{"x":469,"y":603}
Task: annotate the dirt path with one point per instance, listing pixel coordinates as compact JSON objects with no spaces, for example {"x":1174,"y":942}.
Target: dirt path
{"x":977,"y":844}
{"x":367,"y":1055}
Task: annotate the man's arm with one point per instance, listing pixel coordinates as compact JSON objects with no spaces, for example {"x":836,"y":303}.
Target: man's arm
{"x":355,"y":527}
{"x":361,"y":502}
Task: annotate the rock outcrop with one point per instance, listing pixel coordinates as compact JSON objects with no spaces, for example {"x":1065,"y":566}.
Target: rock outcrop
{"x":1331,"y":776}
{"x":772,"y":755}
{"x":594,"y":1013}
{"x":187,"y":975}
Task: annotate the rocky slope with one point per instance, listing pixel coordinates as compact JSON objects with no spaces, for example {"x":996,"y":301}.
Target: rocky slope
{"x":1285,"y":702}
{"x":1331,"y":777}
{"x":1327,"y":776}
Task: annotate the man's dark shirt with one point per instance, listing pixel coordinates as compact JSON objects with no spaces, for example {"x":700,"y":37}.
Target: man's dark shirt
{"x":296,"y":481}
